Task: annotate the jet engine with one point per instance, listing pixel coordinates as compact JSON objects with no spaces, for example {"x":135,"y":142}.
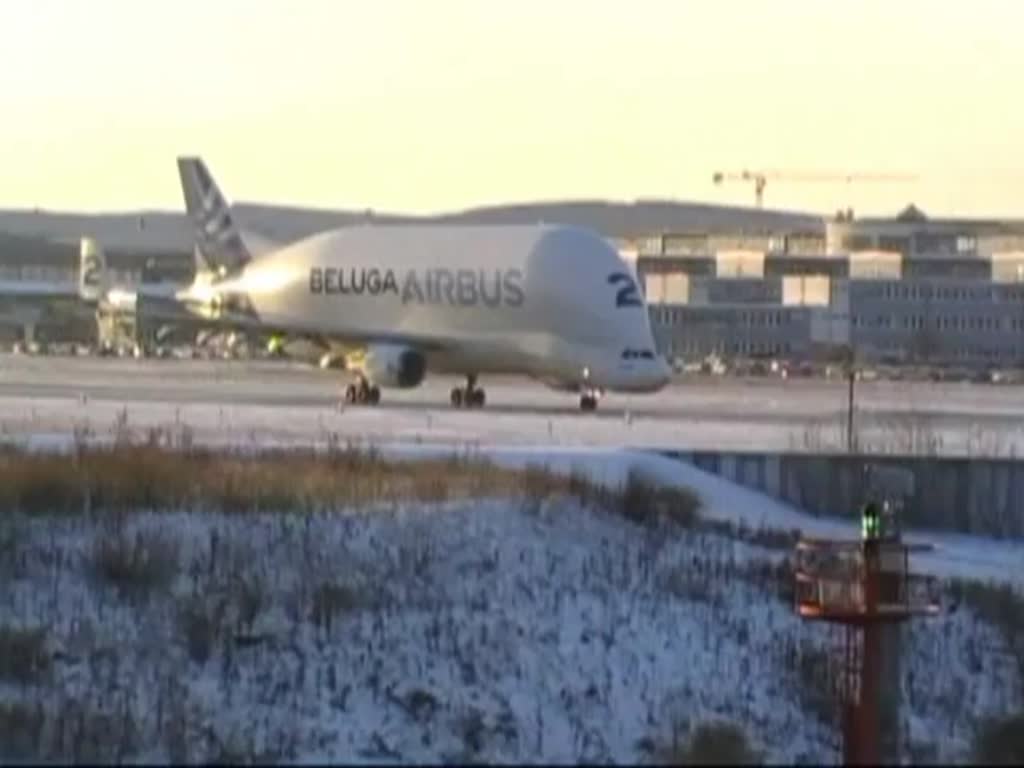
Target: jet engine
{"x":394,"y":366}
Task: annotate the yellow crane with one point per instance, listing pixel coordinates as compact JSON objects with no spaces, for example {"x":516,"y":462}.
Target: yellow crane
{"x":761,"y":178}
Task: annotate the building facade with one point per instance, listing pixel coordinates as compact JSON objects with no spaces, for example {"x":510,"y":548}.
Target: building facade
{"x":904,"y":290}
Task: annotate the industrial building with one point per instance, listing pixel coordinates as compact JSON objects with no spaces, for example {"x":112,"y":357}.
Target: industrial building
{"x":41,"y":259}
{"x":901,"y":290}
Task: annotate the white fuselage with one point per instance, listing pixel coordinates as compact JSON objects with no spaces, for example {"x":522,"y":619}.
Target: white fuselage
{"x":539,"y":300}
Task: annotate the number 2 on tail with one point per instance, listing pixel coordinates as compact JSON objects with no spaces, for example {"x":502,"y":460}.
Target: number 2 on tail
{"x":91,"y":271}
{"x":628,"y":296}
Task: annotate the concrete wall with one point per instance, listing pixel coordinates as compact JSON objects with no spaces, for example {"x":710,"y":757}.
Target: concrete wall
{"x":978,"y":496}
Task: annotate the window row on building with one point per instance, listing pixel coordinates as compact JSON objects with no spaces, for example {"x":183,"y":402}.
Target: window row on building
{"x":927,"y":291}
{"x":940,"y":323}
{"x":691,"y":348}
{"x":764,"y":318}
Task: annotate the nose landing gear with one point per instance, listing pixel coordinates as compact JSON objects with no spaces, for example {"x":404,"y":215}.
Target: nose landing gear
{"x":588,"y":394}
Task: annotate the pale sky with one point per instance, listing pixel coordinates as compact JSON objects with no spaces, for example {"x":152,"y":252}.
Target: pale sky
{"x":422,"y":106}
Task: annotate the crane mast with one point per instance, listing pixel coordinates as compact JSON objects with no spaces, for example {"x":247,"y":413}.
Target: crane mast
{"x":760,"y":179}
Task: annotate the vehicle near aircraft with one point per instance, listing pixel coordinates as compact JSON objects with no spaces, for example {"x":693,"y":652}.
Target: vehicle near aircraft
{"x":395,"y":302}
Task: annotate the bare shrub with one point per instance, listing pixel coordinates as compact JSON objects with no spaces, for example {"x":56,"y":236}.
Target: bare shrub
{"x":420,"y":704}
{"x":23,"y":655}
{"x":1000,"y":741}
{"x":814,"y":683}
{"x":135,"y":564}
{"x":201,"y":621}
{"x":645,"y":503}
{"x":251,"y":599}
{"x":688,"y":583}
{"x":771,"y":538}
{"x":21,"y":727}
{"x":87,"y":735}
{"x":777,"y":577}
{"x":237,"y":749}
{"x":12,"y":542}
{"x":1001,"y":606}
{"x":715,"y":743}
{"x":473,"y":731}
{"x":330,"y":601}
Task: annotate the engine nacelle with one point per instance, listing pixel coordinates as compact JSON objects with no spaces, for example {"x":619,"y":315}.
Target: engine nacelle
{"x":388,"y":365}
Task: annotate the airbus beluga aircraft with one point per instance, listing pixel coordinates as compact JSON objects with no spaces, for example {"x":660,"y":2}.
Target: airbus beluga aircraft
{"x":395,"y":302}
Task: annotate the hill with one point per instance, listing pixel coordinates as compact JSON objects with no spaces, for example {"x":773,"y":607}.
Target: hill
{"x":166,"y":230}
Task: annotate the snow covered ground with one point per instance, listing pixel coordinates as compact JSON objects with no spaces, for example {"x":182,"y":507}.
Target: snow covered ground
{"x":489,"y":630}
{"x":291,"y":402}
{"x":22,"y":416}
{"x":492,"y":630}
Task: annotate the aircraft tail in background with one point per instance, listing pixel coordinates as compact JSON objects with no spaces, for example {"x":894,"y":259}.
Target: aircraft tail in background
{"x":93,"y":278}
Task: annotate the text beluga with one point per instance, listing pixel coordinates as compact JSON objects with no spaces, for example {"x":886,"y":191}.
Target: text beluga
{"x":456,"y":287}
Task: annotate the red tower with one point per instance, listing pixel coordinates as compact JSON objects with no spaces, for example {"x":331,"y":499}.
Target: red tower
{"x":862,"y":586}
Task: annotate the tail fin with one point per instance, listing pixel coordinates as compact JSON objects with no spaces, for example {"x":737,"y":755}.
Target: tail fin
{"x":217,"y":237}
{"x":92,"y":270}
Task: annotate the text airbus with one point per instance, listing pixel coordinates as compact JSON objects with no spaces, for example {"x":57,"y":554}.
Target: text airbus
{"x":458,"y":287}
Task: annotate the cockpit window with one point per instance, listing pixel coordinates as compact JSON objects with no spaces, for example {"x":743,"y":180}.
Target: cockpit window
{"x":634,"y":354}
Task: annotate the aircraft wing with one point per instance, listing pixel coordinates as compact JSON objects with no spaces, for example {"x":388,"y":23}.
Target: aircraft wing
{"x":348,"y":342}
{"x":186,"y":308}
{"x":37,"y":289}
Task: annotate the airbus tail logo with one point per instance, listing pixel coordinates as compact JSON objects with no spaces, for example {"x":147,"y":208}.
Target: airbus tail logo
{"x":460,"y":287}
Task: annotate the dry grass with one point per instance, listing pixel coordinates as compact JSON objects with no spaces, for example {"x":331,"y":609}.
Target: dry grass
{"x":152,"y":476}
{"x":714,"y":743}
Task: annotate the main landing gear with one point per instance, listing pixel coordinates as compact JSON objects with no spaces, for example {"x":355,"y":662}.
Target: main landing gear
{"x":362,"y":392}
{"x":469,"y":396}
{"x":588,"y":401}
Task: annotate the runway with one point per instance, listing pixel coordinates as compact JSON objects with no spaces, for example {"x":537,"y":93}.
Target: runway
{"x":294,"y":401}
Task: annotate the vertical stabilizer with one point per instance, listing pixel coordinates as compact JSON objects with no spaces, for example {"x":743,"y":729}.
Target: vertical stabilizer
{"x":92,"y":270}
{"x":218,"y":239}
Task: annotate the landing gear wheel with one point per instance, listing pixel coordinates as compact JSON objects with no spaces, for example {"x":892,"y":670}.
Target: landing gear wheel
{"x":362,"y":393}
{"x":588,"y":403}
{"x":469,"y":396}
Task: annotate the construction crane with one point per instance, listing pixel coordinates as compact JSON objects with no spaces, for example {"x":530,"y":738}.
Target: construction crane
{"x":760,"y":179}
